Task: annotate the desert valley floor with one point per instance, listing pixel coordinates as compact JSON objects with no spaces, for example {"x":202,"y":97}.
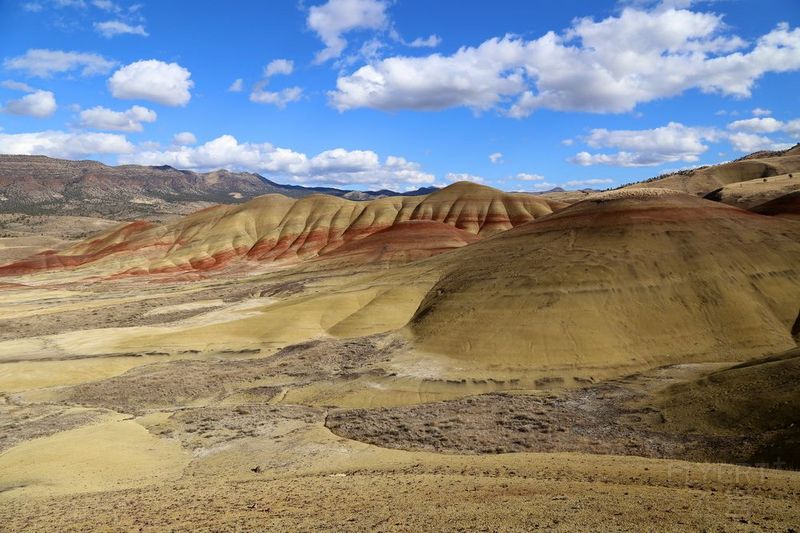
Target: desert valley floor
{"x":464,"y":359}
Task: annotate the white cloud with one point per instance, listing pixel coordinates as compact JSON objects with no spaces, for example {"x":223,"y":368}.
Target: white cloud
{"x":340,"y":160}
{"x":589,"y":182}
{"x":150,"y":145}
{"x":279,"y":66}
{"x":184,"y":138}
{"x":474,"y":77}
{"x":164,"y":83}
{"x":760,"y":112}
{"x":44,"y":63}
{"x":111,"y":28}
{"x":751,"y":142}
{"x":106,"y":5}
{"x":453,"y":177}
{"x":609,"y":65}
{"x":522,"y":176}
{"x":432,"y":41}
{"x":17,"y":86}
{"x":39,"y":104}
{"x":102,"y":118}
{"x":568,"y":142}
{"x":64,"y":144}
{"x":334,"y":167}
{"x":533,"y":182}
{"x":236,"y":86}
{"x":676,"y":142}
{"x":333,"y":19}
{"x":792,"y":128}
{"x":543,"y":186}
{"x":496,"y":157}
{"x":276,"y":98}
{"x":757,"y":125}
{"x":32,"y":7}
{"x":70,"y":3}
{"x":673,"y":142}
{"x":762,"y":125}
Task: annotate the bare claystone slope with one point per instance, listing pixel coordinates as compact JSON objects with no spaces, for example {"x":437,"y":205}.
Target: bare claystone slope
{"x":702,"y":181}
{"x":281,"y":230}
{"x":632,"y":278}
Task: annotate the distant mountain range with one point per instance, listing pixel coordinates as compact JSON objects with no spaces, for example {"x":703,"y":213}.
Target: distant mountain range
{"x":43,"y":185}
{"x":39,"y":185}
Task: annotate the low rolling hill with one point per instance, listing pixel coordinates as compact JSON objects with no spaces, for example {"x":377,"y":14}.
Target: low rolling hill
{"x":276,"y":229}
{"x":627,"y":279}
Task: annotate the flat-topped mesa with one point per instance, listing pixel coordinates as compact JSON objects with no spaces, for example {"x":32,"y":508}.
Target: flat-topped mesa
{"x":628,"y":279}
{"x":275,"y":228}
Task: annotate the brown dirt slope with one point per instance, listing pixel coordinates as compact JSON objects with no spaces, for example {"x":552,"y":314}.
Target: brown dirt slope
{"x":707,"y":179}
{"x":757,"y":397}
{"x":275,"y":228}
{"x":786,"y":206}
{"x":629,"y":279}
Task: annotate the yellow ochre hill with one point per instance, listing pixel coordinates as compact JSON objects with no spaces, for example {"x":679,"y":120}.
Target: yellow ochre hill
{"x":277,"y":229}
{"x":628,"y":279}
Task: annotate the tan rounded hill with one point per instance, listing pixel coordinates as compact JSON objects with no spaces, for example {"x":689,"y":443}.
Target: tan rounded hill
{"x":278,"y":229}
{"x":630,"y":279}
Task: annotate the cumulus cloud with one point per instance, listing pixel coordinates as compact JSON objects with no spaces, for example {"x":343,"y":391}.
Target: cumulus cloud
{"x":39,"y":104}
{"x":333,"y":167}
{"x":534,"y":182}
{"x":111,"y":28}
{"x":763,"y":125}
{"x":106,"y":5}
{"x":277,"y":98}
{"x":17,"y":86}
{"x":637,"y":148}
{"x":676,"y":142}
{"x":453,"y":177}
{"x":279,"y":66}
{"x":760,"y":125}
{"x":44,"y":63}
{"x":63,"y":144}
{"x":102,"y":118}
{"x":522,"y":176}
{"x":153,"y":80}
{"x":474,"y":77}
{"x":496,"y":157}
{"x":589,"y":182}
{"x":751,"y":142}
{"x":761,"y":112}
{"x":236,"y":86}
{"x":331,"y":20}
{"x":184,"y":138}
{"x":431,"y":41}
{"x":609,"y":65}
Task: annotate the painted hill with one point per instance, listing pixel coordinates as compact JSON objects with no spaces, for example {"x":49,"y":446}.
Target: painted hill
{"x":282,"y":230}
{"x":42,"y":185}
{"x":758,"y":398}
{"x":751,"y":193}
{"x":626,"y":280}
{"x":702,"y":181}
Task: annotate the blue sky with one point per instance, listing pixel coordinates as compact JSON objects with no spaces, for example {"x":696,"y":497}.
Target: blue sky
{"x":520,"y":95}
